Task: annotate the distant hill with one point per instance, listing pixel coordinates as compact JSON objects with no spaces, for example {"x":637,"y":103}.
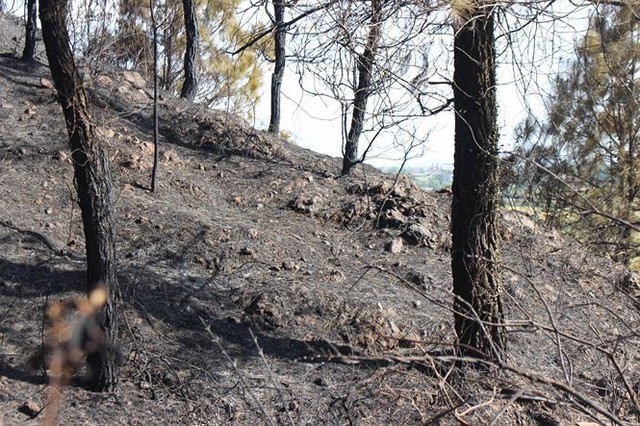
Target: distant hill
{"x":429,"y":177}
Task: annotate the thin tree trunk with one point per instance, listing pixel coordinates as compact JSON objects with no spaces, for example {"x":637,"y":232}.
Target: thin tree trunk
{"x":278,"y":71}
{"x":154,"y":172}
{"x":190,"y":85}
{"x":93,"y":184}
{"x":477,"y":305}
{"x":29,"y":50}
{"x":167,"y":78}
{"x":361,"y":95}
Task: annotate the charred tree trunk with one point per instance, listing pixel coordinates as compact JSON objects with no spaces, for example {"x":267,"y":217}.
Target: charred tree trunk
{"x":29,"y":50}
{"x":154,"y":24}
{"x":93,"y":184}
{"x":477,"y":305}
{"x":190,"y":85}
{"x":361,"y":95}
{"x":278,"y":71}
{"x":167,"y":48}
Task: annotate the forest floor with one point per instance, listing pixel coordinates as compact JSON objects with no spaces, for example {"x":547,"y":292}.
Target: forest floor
{"x":258,"y":287}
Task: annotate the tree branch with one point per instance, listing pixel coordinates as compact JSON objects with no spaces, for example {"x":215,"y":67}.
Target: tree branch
{"x":284,"y":25}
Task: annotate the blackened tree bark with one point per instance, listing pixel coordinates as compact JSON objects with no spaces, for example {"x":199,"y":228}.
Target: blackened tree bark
{"x":29,"y":50}
{"x":93,"y":184}
{"x":365,"y":63}
{"x":154,"y":29}
{"x":477,"y":304}
{"x":278,"y":71}
{"x":190,"y":85}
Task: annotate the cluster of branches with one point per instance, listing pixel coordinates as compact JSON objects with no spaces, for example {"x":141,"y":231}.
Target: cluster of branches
{"x":375,"y":60}
{"x":578,"y":165}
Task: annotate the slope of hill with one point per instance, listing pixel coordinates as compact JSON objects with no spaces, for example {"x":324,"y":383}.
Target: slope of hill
{"x":257,"y":287}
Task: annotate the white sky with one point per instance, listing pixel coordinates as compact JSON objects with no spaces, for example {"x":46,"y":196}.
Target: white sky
{"x":523,"y":75}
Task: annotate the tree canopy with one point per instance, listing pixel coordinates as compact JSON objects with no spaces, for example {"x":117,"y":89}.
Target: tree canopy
{"x":590,"y":138}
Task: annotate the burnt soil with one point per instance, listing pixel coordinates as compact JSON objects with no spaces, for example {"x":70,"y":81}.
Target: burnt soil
{"x":258,"y":287}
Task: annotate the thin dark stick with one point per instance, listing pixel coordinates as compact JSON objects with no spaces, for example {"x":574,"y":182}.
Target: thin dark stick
{"x":154,"y":172}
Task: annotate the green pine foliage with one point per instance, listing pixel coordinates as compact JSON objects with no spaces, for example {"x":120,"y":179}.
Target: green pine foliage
{"x":590,"y":140}
{"x":227,"y":81}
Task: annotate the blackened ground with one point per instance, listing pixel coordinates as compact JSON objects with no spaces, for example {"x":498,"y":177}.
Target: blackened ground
{"x":257,"y":287}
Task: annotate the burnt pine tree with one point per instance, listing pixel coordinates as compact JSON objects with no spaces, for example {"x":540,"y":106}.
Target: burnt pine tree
{"x":29,"y":50}
{"x":279,"y":36}
{"x":154,"y":30}
{"x":190,"y":85}
{"x":365,"y":61}
{"x":477,"y":305}
{"x":93,"y":185}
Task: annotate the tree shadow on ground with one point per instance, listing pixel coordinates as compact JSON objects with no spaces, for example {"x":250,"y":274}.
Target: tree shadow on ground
{"x":22,"y":72}
{"x":21,"y":375}
{"x":31,"y":280}
{"x":44,"y":269}
{"x":216,"y":330}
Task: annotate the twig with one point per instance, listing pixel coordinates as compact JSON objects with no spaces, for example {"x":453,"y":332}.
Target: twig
{"x":273,"y":381}
{"x":234,"y":365}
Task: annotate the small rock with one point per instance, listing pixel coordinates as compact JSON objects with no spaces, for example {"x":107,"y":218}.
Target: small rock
{"x":290,"y":406}
{"x":103,"y":80}
{"x":106,"y":133}
{"x":49,"y":210}
{"x":336,"y":275}
{"x":134,"y":79}
{"x":394,"y":327}
{"x":418,"y":278}
{"x":320,"y":382}
{"x":394,"y":246}
{"x":306,"y":204}
{"x":391,"y":218}
{"x":416,"y":235}
{"x":290,"y":265}
{"x":46,"y":83}
{"x":30,"y":408}
{"x":63,"y":156}
{"x":417,"y":303}
{"x":246,"y":251}
{"x":171,"y":156}
{"x":147,"y":147}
